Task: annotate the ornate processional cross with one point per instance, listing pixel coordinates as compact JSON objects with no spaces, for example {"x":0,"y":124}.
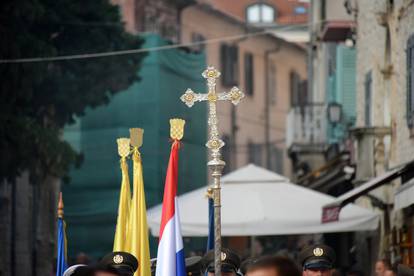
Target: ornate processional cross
{"x":214,"y":143}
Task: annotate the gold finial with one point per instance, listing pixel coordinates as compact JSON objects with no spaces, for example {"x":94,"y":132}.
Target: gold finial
{"x":177,"y":128}
{"x":136,"y":136}
{"x":209,"y":193}
{"x":60,"y":206}
{"x":123,"y":147}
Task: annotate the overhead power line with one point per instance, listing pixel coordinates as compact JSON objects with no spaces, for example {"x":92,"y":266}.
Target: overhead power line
{"x":145,"y":50}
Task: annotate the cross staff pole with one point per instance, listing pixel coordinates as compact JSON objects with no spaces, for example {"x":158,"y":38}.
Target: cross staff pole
{"x":214,"y":144}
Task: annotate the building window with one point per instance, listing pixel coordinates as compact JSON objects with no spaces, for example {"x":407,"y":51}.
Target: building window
{"x":277,"y":160}
{"x":226,"y":154}
{"x":248,"y":73}
{"x":294,"y":80}
{"x":229,"y":56}
{"x":255,"y":153}
{"x":196,"y":38}
{"x":410,"y":81}
{"x":303,"y":93}
{"x":272,"y":84}
{"x":260,"y":13}
{"x":368,"y":98}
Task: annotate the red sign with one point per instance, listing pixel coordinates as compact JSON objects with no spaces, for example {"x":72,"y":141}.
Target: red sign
{"x":330,"y":214}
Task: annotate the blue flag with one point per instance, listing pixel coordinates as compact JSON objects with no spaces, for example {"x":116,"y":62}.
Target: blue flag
{"x":210,"y":240}
{"x":61,"y":265}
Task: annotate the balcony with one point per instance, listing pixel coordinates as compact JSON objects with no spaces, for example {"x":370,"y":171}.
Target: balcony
{"x":307,"y":127}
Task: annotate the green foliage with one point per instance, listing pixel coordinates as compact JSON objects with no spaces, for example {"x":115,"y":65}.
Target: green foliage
{"x":38,"y":99}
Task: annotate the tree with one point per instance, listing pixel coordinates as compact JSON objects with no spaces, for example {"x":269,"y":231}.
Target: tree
{"x":39,"y":98}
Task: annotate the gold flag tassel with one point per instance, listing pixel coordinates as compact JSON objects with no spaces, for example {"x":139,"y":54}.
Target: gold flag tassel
{"x":137,"y":237}
{"x":124,"y":197}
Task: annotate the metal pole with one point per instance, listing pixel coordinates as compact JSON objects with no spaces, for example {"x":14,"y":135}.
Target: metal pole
{"x":216,"y":173}
{"x":214,"y":144}
{"x":216,"y":166}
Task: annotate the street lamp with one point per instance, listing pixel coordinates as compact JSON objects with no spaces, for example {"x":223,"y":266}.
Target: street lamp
{"x":334,"y":113}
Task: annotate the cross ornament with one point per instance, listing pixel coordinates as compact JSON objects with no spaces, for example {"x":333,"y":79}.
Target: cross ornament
{"x":190,"y":97}
{"x":214,"y":143}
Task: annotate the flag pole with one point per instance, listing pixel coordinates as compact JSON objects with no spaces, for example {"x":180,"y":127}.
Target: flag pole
{"x":61,"y":264}
{"x":60,"y":206}
{"x":170,"y":255}
{"x":120,"y":242}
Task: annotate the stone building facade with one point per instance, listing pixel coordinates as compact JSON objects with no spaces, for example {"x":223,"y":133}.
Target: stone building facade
{"x":382,"y":64}
{"x":384,"y":100}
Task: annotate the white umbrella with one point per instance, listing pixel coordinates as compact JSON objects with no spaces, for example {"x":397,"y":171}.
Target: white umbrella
{"x":257,"y":202}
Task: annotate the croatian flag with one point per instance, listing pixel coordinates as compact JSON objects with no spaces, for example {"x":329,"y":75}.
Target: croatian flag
{"x":170,"y":257}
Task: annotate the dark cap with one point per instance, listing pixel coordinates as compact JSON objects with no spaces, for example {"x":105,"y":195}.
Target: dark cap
{"x":403,"y":270}
{"x":317,"y":256}
{"x":122,"y":262}
{"x":230,"y":261}
{"x":193,"y":266}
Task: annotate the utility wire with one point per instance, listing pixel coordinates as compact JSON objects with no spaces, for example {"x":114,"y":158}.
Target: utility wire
{"x":145,"y":50}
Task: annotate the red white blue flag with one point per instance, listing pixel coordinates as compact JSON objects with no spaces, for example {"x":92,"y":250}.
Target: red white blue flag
{"x":170,"y":257}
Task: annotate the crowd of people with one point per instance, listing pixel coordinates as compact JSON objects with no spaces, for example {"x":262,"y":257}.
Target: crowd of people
{"x":315,"y":260}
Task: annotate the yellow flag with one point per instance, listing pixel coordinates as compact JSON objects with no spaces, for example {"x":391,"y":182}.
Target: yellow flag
{"x":137,"y":237}
{"x":123,"y":209}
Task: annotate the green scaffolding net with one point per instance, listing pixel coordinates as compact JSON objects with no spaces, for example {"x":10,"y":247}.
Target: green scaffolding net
{"x":91,"y":196}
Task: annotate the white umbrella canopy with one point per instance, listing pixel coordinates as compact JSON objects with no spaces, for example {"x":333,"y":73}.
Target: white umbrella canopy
{"x":258,"y":202}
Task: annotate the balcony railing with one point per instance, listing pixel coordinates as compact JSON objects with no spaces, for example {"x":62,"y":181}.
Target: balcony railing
{"x":307,"y":125}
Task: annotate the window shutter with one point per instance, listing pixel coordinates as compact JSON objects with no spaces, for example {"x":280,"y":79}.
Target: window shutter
{"x":234,"y":64}
{"x":248,"y":73}
{"x":294,"y":89}
{"x":368,"y":95}
{"x":229,"y":65}
{"x":345,"y":85}
{"x":224,"y":57}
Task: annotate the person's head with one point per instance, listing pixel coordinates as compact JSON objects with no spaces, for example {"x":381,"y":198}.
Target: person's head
{"x":82,"y":258}
{"x":117,"y":263}
{"x":381,"y":266}
{"x":230,"y":263}
{"x":270,"y":266}
{"x":317,"y":260}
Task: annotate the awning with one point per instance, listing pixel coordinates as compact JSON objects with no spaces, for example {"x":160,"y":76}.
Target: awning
{"x":331,"y":211}
{"x":259,"y":202}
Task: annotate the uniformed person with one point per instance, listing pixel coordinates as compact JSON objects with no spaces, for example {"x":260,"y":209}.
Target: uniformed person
{"x":230,"y":263}
{"x":317,"y":260}
{"x":117,"y":263}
